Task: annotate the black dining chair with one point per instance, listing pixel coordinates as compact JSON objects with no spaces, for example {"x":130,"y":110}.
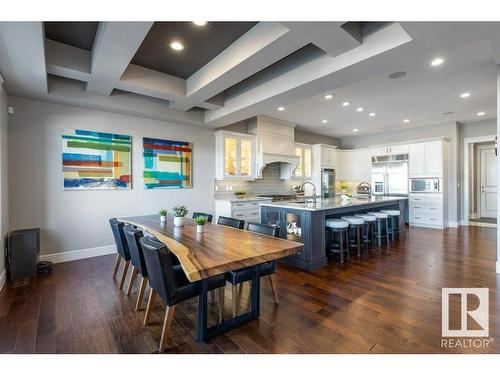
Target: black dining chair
{"x":265,"y":269}
{"x":170,"y":283}
{"x":133,"y":235}
{"x":121,"y":248}
{"x":202,"y":214}
{"x":231,"y":222}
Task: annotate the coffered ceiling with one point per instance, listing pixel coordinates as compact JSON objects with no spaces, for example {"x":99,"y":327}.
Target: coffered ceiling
{"x":230,"y":71}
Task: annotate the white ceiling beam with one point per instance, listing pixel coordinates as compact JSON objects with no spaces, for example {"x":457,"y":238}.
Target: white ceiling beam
{"x":261,"y":46}
{"x":114,"y":47}
{"x":66,"y":61}
{"x":312,"y":78}
{"x":329,"y":36}
{"x":22,"y":58}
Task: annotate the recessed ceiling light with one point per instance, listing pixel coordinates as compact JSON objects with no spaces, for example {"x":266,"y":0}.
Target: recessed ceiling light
{"x":437,"y":61}
{"x":372,"y":114}
{"x":281,"y":108}
{"x":328,"y":96}
{"x":465,"y":95}
{"x":355,"y":130}
{"x":360,"y":109}
{"x":481,"y":113}
{"x":346,"y":104}
{"x":406,"y":120}
{"x":324,"y":121}
{"x":200,"y":23}
{"x":177,"y":46}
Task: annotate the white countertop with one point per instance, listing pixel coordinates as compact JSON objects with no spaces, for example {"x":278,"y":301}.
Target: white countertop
{"x":332,"y":203}
{"x":250,"y":198}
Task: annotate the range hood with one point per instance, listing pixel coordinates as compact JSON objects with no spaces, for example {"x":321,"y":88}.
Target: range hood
{"x":275,"y":143}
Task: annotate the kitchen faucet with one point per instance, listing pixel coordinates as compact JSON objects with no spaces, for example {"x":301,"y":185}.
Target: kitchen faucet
{"x":314,"y":189}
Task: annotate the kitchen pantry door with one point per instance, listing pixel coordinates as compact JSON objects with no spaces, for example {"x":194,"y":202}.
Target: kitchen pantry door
{"x":488,"y":179}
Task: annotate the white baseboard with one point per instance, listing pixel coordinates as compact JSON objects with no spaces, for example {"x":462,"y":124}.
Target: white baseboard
{"x":79,"y":254}
{"x":3,"y":278}
{"x":453,"y":224}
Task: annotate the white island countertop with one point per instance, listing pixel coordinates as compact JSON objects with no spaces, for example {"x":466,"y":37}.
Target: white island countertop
{"x":332,"y":203}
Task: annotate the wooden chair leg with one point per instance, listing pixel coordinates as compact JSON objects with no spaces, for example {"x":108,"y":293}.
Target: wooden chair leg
{"x":149,"y":308}
{"x":124,"y":274}
{"x":274,"y":287}
{"x":133,"y":275}
{"x":221,"y":295}
{"x":117,"y":265}
{"x":234,"y":292}
{"x":212,"y":296}
{"x":165,"y":331}
{"x":142,"y":289}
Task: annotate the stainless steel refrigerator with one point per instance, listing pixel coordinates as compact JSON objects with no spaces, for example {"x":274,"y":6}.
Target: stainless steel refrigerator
{"x":390,"y":175}
{"x":327,"y":183}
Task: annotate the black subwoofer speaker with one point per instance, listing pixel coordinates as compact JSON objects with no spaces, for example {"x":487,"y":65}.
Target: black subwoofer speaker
{"x":23,"y":247}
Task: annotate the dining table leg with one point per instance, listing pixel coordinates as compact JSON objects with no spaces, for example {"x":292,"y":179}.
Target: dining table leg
{"x":205,"y":333}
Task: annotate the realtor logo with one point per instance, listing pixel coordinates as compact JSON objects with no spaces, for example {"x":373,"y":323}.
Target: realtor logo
{"x":465,"y":312}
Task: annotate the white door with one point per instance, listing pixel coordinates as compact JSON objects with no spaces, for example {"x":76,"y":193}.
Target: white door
{"x":488,"y":181}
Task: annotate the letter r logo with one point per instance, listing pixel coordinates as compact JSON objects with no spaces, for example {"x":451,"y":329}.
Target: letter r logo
{"x":473,"y":318}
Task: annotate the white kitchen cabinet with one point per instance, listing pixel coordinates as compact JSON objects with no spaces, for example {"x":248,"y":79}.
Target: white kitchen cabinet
{"x":427,"y":210}
{"x":353,"y":165}
{"x":427,"y":159}
{"x":324,"y":155}
{"x":247,"y":209}
{"x":234,"y":156}
{"x":304,"y":168}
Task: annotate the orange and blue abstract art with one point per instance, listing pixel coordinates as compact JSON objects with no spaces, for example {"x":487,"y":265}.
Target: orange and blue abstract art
{"x":167,"y":164}
{"x":94,"y":160}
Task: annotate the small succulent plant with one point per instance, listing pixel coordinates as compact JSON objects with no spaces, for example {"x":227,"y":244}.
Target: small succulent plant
{"x":200,"y":220}
{"x":180,"y":211}
{"x":163,"y":212}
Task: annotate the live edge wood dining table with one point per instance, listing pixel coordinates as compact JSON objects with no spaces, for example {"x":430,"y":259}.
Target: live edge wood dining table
{"x":217,"y":250}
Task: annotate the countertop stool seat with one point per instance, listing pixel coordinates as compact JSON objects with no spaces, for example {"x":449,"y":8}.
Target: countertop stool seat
{"x":356,"y":232}
{"x":342,"y":228}
{"x":393,"y":222}
{"x":382,"y":228}
{"x":370,"y":224}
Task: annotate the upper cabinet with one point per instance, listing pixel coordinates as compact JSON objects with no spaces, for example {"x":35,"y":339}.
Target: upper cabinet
{"x":426,"y":159}
{"x":304,"y":169}
{"x":324,"y":155}
{"x":234,"y":156}
{"x":390,"y":150}
{"x":353,"y":165}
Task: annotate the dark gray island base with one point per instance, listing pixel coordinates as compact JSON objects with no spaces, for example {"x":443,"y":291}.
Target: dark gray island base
{"x":306,"y":223}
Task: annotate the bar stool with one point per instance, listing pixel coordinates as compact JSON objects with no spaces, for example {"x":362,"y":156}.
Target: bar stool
{"x":370,"y":221}
{"x":341,"y":227}
{"x":393,"y":227}
{"x":382,"y":220}
{"x":356,"y":224}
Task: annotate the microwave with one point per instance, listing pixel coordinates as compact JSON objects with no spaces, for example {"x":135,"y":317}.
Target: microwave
{"x":425,"y":185}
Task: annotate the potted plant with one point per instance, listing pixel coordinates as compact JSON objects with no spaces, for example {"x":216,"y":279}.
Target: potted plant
{"x":179,"y":212}
{"x":163,"y":215}
{"x":240,"y":194}
{"x":200,"y":223}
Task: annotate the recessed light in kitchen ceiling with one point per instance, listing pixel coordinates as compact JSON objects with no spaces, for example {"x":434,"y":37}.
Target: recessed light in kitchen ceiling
{"x":355,"y":130}
{"x":324,"y":121}
{"x":178,"y":46}
{"x":328,"y":96}
{"x":406,"y":120}
{"x":372,"y":114}
{"x":346,"y":103}
{"x":360,"y":109}
{"x":397,"y":75}
{"x":465,"y":95}
{"x":481,"y":113}
{"x":281,"y":108}
{"x":437,"y":61}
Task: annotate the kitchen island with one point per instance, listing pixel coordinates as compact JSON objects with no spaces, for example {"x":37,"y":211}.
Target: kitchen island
{"x":305,"y":222}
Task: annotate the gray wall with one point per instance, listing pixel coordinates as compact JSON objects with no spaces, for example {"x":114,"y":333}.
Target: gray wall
{"x":450,"y":130}
{"x":74,"y":220}
{"x":4,"y":227}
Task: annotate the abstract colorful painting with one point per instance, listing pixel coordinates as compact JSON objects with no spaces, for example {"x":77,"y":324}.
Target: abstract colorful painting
{"x":93,"y":160}
{"x":167,"y":164}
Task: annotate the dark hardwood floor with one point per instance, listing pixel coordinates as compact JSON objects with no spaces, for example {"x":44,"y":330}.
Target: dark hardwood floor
{"x":376,"y":304}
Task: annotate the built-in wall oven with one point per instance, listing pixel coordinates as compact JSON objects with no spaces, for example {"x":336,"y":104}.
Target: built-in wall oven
{"x":425,"y":185}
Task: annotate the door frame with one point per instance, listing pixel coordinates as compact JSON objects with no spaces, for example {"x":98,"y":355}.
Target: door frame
{"x":466,"y":172}
{"x":480,"y":165}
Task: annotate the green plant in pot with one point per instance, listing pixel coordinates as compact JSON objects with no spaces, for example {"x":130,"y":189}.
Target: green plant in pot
{"x":200,"y":223}
{"x":179,"y":212}
{"x":163,"y":215}
{"x":240,"y":194}
{"x":344,"y":186}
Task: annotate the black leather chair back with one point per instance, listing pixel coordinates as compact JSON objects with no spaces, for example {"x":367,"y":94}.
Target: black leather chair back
{"x":160,"y":268}
{"x":231,"y":222}
{"x":201,"y":214}
{"x":269,"y":230}
{"x":120,"y":240}
{"x":133,"y":235}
